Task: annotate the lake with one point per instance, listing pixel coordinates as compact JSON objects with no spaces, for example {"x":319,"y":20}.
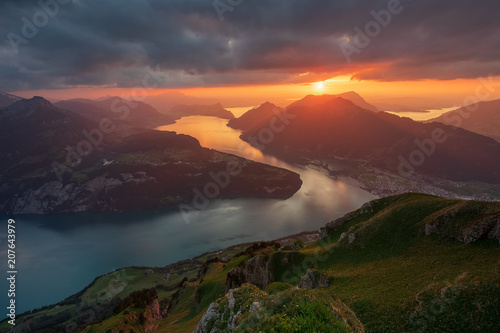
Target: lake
{"x":58,"y":255}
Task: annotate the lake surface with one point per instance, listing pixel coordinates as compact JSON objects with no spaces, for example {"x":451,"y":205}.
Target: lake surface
{"x":58,"y":255}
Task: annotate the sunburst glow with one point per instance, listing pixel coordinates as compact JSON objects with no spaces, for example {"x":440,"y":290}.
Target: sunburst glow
{"x":320,"y":85}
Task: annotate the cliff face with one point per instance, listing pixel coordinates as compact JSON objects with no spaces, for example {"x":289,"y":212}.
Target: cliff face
{"x":152,"y":317}
{"x":256,"y":271}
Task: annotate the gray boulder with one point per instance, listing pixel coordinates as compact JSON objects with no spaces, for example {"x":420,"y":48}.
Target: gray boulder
{"x":314,"y":279}
{"x":211,"y":313}
{"x":351,"y":238}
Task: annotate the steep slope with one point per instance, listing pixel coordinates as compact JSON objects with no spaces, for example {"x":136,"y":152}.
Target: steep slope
{"x":482,"y":118}
{"x":8,"y":99}
{"x":255,"y":117}
{"x":340,"y":128}
{"x":53,"y":160}
{"x":397,"y":264}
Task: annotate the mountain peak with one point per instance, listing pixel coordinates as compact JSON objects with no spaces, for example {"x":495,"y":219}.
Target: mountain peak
{"x":313,"y":100}
{"x":266,"y":104}
{"x":254,"y":117}
{"x":36,"y":102}
{"x":28,"y":108}
{"x":40,"y":101}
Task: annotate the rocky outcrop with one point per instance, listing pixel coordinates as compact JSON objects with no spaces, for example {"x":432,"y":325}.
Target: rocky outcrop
{"x":223,"y":316}
{"x":292,"y":246}
{"x":335,"y":225}
{"x":41,"y":200}
{"x":235,"y":278}
{"x":314,"y":279}
{"x":495,"y":231}
{"x":486,"y":228}
{"x":249,"y":309}
{"x":256,"y":271}
{"x":212,"y":313}
{"x":152,"y":317}
{"x":351,"y":238}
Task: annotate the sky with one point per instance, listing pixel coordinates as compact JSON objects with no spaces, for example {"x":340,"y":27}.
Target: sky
{"x":285,"y":48}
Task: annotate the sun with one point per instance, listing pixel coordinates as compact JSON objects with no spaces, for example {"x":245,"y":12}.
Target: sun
{"x":319,"y":85}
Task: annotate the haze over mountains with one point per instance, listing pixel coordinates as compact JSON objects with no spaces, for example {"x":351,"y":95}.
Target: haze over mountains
{"x":482,"y":118}
{"x":155,"y":110}
{"x":176,"y":105}
{"x":211,"y":110}
{"x":164,"y":102}
{"x":8,"y":99}
{"x":135,"y":113}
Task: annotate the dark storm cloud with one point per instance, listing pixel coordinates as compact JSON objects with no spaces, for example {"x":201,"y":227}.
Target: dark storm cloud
{"x":91,"y":42}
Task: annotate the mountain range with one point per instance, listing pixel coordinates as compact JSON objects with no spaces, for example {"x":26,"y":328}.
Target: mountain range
{"x":261,"y":115}
{"x":176,"y":104}
{"x":133,"y":113}
{"x":164,"y":102}
{"x":313,"y":100}
{"x":55,"y":160}
{"x":343,"y":129}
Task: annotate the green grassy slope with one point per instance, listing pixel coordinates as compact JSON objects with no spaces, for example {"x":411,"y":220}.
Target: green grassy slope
{"x":399,"y":264}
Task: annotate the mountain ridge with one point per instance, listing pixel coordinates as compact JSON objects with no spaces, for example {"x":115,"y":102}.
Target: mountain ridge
{"x":482,"y":118}
{"x":254,"y":117}
{"x":131,"y":113}
{"x":55,"y":161}
{"x":313,"y":100}
{"x":340,"y":128}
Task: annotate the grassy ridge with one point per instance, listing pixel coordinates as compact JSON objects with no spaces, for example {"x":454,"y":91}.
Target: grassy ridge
{"x":388,"y":274}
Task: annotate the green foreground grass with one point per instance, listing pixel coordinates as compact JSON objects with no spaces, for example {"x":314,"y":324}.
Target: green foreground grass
{"x":391,"y":277}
